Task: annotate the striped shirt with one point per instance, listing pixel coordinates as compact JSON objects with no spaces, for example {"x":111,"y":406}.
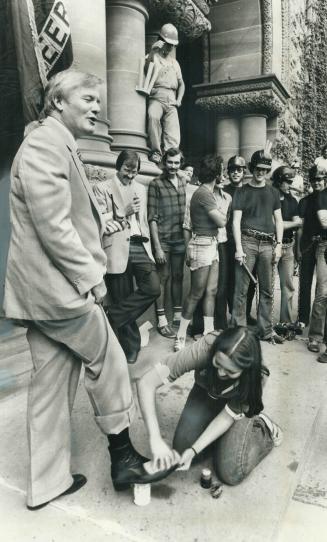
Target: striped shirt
{"x":166,"y":206}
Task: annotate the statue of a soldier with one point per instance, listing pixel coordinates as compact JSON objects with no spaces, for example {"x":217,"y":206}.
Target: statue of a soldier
{"x":166,"y":94}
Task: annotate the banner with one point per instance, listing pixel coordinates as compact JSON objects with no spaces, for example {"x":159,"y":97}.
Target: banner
{"x":43,"y":47}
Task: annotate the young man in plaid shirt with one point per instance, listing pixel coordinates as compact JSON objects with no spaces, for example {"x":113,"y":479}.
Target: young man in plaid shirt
{"x":166,"y":208}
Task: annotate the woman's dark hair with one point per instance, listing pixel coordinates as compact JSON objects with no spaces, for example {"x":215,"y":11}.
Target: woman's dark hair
{"x":128,"y":156}
{"x":242,"y":346}
{"x":211,"y":167}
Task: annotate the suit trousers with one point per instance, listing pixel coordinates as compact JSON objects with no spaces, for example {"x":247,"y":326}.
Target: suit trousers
{"x":127,"y":303}
{"x":58,"y":349}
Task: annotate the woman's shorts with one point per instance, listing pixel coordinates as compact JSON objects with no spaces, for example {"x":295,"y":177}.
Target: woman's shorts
{"x":202,"y":251}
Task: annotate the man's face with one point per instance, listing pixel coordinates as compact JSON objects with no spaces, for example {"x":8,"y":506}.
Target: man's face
{"x":318,"y":183}
{"x":285,"y":187}
{"x":189,"y":173}
{"x":236,"y":175}
{"x":167,"y":48}
{"x":127,"y":172}
{"x":79,"y":110}
{"x":172,"y":164}
{"x":260,"y":174}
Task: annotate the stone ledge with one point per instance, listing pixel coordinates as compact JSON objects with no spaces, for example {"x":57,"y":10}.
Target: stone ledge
{"x":262,"y":94}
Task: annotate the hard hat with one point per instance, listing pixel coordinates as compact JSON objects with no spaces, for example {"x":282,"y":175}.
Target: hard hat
{"x":283,"y":174}
{"x":236,"y":161}
{"x":168,"y":32}
{"x":260,"y":159}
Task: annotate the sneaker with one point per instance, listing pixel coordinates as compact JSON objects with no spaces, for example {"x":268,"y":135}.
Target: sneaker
{"x":166,"y":332}
{"x":275,"y":431}
{"x":179,"y":344}
{"x":313,"y":345}
{"x":323,"y":357}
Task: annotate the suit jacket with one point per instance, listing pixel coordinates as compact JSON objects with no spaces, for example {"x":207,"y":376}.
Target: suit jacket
{"x":117,"y":244}
{"x":55,"y":255}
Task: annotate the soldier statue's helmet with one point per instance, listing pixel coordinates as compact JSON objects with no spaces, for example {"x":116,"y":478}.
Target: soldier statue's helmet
{"x":260,"y":159}
{"x":168,"y":32}
{"x":283,"y":174}
{"x":236,"y":161}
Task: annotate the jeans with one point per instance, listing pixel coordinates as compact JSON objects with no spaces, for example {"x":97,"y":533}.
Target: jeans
{"x":319,"y":307}
{"x":163,"y":123}
{"x":222,"y":292}
{"x":286,"y":270}
{"x":258,"y":253}
{"x":307,"y":267}
{"x":234,"y":454}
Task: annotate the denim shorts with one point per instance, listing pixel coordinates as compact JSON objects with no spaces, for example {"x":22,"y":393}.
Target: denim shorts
{"x":174,"y":247}
{"x":202,"y":251}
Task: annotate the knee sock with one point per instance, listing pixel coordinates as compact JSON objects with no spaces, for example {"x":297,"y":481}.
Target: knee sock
{"x":162,"y":320}
{"x":183,"y":327}
{"x":208,"y":324}
{"x":177,"y":313}
{"x":119,"y":440}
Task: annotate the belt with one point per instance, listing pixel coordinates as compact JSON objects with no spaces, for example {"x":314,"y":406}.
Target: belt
{"x":138,"y":239}
{"x":259,"y":235}
{"x":319,"y":238}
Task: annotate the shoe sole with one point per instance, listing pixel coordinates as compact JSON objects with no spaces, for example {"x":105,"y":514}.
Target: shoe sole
{"x":146,"y":479}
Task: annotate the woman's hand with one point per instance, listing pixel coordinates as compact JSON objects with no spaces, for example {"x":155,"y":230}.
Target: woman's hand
{"x":163,"y":457}
{"x":186,"y":459}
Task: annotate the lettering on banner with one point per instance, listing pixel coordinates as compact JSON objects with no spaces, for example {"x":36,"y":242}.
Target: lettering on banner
{"x":54,"y":35}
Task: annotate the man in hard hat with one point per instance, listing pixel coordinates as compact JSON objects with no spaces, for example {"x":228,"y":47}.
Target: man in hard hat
{"x":258,"y":234}
{"x":166,"y":95}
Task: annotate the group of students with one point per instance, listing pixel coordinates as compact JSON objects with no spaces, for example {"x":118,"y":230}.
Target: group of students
{"x":229,"y":235}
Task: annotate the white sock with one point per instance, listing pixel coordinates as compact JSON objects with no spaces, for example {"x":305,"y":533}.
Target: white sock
{"x":162,"y":320}
{"x":183,"y":327}
{"x":208,"y":324}
{"x":177,"y":315}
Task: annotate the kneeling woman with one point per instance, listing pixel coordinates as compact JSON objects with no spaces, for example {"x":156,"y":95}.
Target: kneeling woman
{"x":223,"y":409}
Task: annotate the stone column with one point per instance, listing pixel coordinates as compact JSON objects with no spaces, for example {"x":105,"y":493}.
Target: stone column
{"x":227,"y":137}
{"x":88,"y":29}
{"x":253,"y":134}
{"x":125,"y":47}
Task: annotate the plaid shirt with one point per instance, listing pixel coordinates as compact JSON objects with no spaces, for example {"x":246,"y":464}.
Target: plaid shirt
{"x":166,"y":206}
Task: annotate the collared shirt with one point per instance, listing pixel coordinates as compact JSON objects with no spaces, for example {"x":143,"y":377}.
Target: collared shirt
{"x":166,"y":206}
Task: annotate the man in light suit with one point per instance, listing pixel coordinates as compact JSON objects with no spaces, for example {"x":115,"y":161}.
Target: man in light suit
{"x":129,"y":254}
{"x":54,"y":285}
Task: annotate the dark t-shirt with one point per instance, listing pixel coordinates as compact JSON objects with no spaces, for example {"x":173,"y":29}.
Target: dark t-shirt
{"x":202,"y":202}
{"x":257,"y":205}
{"x":230,"y":189}
{"x":290,"y":209}
{"x":308,"y":207}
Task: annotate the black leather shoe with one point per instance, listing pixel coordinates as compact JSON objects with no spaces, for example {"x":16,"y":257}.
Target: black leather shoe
{"x":79,"y":481}
{"x":127,"y":468}
{"x":131,"y":357}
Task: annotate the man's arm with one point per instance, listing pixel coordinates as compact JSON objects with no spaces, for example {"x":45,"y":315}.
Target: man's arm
{"x":239,"y":254}
{"x":322,"y":217}
{"x":296,"y":222}
{"x":180,"y":93}
{"x":219,"y":217}
{"x":279,"y":234}
{"x":159,"y":254}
